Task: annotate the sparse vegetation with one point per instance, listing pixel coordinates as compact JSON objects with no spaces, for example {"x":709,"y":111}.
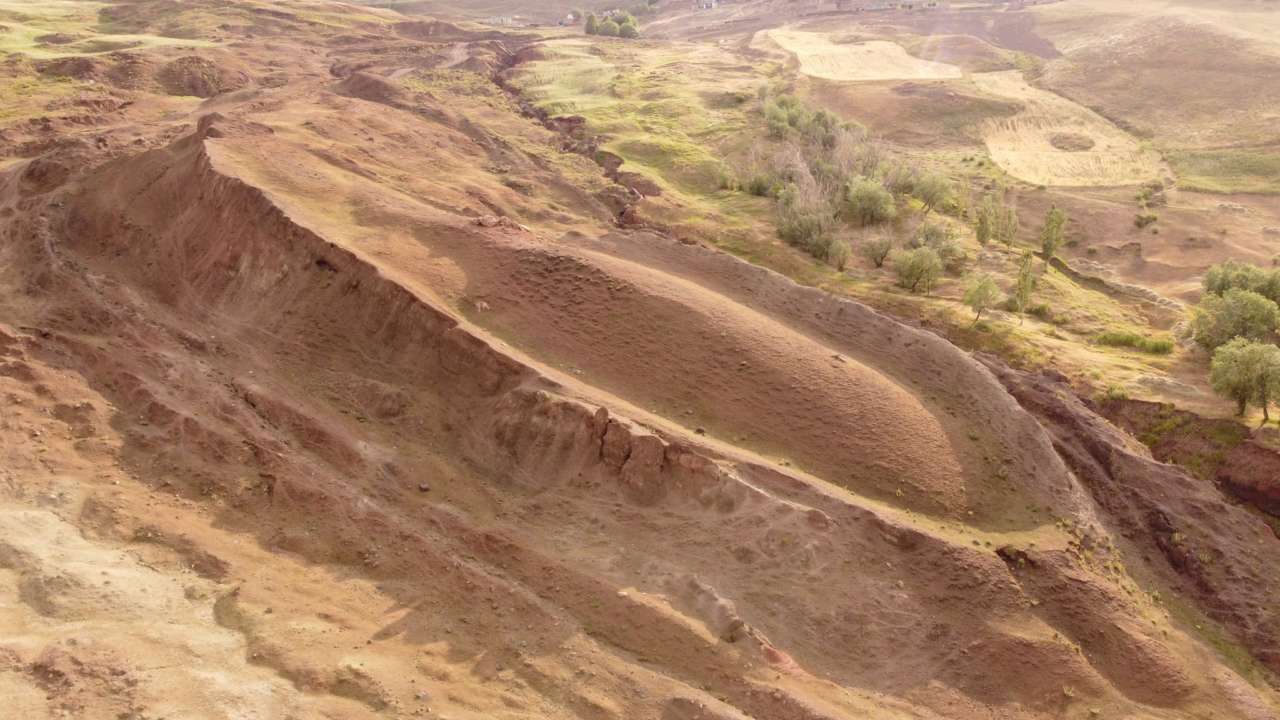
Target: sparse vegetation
{"x":1228,"y":171}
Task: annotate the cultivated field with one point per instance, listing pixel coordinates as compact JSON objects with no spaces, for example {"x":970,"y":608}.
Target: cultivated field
{"x":819,"y":57}
{"x":60,"y":28}
{"x":1054,"y":141}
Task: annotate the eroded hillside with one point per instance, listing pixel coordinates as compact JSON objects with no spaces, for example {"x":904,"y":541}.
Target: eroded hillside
{"x":343,"y":380}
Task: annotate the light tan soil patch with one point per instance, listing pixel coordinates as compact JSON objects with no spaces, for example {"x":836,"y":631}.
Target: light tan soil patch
{"x":864,"y":61}
{"x":1024,"y":145}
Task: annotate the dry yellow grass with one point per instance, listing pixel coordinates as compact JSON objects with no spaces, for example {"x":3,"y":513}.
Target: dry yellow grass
{"x":1024,"y":145}
{"x":853,"y":62}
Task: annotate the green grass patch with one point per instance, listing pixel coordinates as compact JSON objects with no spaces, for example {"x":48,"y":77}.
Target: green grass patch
{"x":1228,"y":171}
{"x":27,"y":22}
{"x":1136,"y":341}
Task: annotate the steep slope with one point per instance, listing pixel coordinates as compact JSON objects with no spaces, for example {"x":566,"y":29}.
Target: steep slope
{"x":293,"y":366}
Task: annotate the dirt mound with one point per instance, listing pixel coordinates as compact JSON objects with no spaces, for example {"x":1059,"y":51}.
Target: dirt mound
{"x":79,"y":68}
{"x":57,"y":39}
{"x":42,"y":175}
{"x":200,"y":77}
{"x":572,"y":471}
{"x":351,"y":400}
{"x":128,"y":71}
{"x":365,"y":86}
{"x":1072,"y":142}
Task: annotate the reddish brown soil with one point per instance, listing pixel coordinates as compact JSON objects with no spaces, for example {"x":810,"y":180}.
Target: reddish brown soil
{"x":917,"y":114}
{"x":311,"y":413}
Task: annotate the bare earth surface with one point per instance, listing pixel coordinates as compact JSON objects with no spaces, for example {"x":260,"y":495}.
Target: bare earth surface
{"x":313,"y":409}
{"x":872,"y":60}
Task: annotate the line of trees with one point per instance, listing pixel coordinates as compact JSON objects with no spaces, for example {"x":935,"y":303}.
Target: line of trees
{"x":619,"y":24}
{"x":1237,"y":321}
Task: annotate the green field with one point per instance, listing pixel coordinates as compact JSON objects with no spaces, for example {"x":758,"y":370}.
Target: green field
{"x":60,"y":28}
{"x":1228,"y":171}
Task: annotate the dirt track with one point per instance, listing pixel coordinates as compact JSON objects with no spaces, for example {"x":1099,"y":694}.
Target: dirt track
{"x":345,"y":444}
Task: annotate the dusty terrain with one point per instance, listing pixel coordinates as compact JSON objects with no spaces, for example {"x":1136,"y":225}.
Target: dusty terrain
{"x":341,"y":380}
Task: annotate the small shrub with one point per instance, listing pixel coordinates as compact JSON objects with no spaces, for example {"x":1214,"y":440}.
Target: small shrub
{"x":1236,"y":313}
{"x":941,"y":239}
{"x":901,"y":178}
{"x":725,"y":178}
{"x":1041,"y":310}
{"x":838,"y":253}
{"x":877,"y":250}
{"x":1144,"y":219}
{"x":982,"y":294}
{"x":804,"y":217}
{"x":917,"y":269}
{"x":1114,"y":393}
{"x":760,"y":185}
{"x":932,"y":191}
{"x":1234,"y":274}
{"x":1122,"y":338}
{"x":869,"y":202}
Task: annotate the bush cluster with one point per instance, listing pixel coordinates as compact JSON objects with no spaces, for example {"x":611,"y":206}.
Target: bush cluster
{"x":1129,"y":339}
{"x":618,"y":24}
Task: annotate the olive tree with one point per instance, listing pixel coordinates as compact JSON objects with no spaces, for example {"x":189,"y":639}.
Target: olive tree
{"x":1247,"y":371}
{"x":869,"y":202}
{"x":917,"y":269}
{"x":982,"y":294}
{"x":1236,"y":313}
{"x":932,"y":191}
{"x":877,"y":249}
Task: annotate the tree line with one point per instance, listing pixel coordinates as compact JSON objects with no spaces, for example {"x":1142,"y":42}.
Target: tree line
{"x":1237,"y":322}
{"x":618,"y":24}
